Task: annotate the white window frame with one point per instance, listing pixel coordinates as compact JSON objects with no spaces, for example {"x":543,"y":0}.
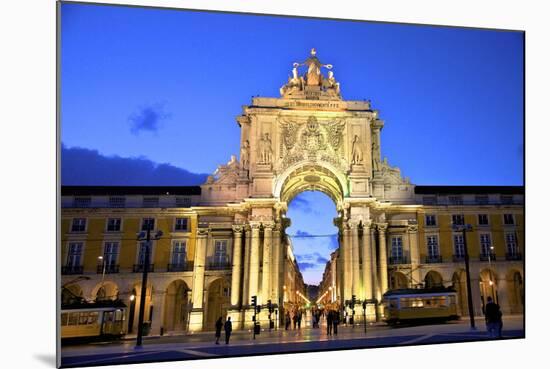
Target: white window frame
{"x":151,"y":251}
{"x":227,"y":256}
{"x":436,"y":237}
{"x":426,"y":220}
{"x":142,"y":221}
{"x":85,"y":225}
{"x":458,"y":215}
{"x":515,"y":243}
{"x":485,"y":245}
{"x":396,"y":243}
{"x":68,"y":253}
{"x":117,"y":254}
{"x":488,"y":220}
{"x":172,"y":253}
{"x":107,"y":225}
{"x":513,"y":219}
{"x":455,"y":244}
{"x":176,"y":223}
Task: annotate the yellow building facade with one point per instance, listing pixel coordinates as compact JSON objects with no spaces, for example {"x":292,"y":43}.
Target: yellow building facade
{"x":224,"y":241}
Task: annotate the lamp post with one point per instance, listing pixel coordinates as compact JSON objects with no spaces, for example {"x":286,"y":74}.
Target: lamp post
{"x":144,"y":236}
{"x":491,"y":283}
{"x":467,"y":228}
{"x":102,"y":260}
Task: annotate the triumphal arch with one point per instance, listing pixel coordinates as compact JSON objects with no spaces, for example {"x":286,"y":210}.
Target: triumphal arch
{"x":309,"y":138}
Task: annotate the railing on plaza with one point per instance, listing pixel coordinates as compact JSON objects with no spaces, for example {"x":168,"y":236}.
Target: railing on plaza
{"x":109,"y":268}
{"x":486,"y":257}
{"x":394,"y":260}
{"x":180,"y":267}
{"x":432,"y":259}
{"x":72,"y":269}
{"x":514,"y":256}
{"x":138,"y":268}
{"x":458,"y":258}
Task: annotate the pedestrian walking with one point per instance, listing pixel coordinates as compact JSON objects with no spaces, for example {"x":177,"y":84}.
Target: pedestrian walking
{"x":228,"y":328}
{"x":294,"y":320}
{"x":299,"y":319}
{"x":287,"y":321}
{"x":329,"y":323}
{"x":219,"y":326}
{"x":335,"y":322}
{"x":493,"y":318}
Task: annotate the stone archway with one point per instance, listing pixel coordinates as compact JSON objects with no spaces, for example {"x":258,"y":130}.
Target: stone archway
{"x":459,"y":285}
{"x":398,"y":280}
{"x":107,"y":290}
{"x":71,"y":294}
{"x":433,"y":279}
{"x":176,"y":307}
{"x":514,"y":281}
{"x":488,"y":286}
{"x":311,"y":177}
{"x":219,"y":301}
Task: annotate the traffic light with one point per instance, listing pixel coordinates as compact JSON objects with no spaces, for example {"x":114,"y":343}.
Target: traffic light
{"x":254,"y":301}
{"x":353,"y":301}
{"x":258,"y":309}
{"x":364,"y":304}
{"x":269,"y":306}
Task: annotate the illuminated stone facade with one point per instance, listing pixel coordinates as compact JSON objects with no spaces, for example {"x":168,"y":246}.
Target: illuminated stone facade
{"x":234,"y":239}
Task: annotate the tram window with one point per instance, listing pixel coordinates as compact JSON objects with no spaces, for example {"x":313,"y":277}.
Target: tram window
{"x":64,"y":318}
{"x":119,"y":316}
{"x":73,"y":319}
{"x":83,"y":319}
{"x":92,"y":317}
{"x":108,"y":316}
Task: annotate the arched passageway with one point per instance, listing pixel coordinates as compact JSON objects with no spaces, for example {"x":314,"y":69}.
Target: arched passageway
{"x":459,"y":285}
{"x":433,"y":279}
{"x":177,"y":307}
{"x":219,"y":300}
{"x":398,"y":280}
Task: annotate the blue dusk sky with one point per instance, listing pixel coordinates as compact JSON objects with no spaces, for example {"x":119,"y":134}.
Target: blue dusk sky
{"x":150,"y":96}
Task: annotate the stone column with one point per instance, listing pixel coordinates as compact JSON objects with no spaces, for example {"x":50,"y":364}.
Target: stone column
{"x":346,"y":253}
{"x":246,"y":267}
{"x":374,"y":265}
{"x":354,"y":230}
{"x":196,"y":318}
{"x":237,"y":267}
{"x":276,"y":285}
{"x":367,"y":262}
{"x":254,"y":268}
{"x":266,"y":265}
{"x":158,"y":312}
{"x":383,"y":259}
{"x":476,"y":292}
{"x":414,"y":253}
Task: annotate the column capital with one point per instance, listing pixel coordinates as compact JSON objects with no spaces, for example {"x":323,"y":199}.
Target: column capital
{"x":255,"y":226}
{"x":238,"y":228}
{"x":203,"y":232}
{"x":268,"y":225}
{"x":412,"y":228}
{"x":382,"y":227}
{"x":353,"y":224}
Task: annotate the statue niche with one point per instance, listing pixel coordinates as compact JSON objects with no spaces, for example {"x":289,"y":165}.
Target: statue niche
{"x":266,"y":152}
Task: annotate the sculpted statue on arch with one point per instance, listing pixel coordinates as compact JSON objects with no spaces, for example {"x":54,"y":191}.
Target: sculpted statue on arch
{"x":313,"y":76}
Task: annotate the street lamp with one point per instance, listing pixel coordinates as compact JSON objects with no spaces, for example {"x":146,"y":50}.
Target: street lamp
{"x":467,"y":228}
{"x":100,"y":258}
{"x":144,"y":236}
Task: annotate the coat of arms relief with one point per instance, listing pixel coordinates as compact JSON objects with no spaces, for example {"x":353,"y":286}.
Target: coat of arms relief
{"x":311,"y":141}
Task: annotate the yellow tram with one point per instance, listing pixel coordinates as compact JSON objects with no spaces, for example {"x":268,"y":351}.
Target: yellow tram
{"x":103,"y":319}
{"x":420,"y":305}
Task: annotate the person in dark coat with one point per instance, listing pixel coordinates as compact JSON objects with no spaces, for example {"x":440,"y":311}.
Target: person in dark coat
{"x":299,"y":319}
{"x":335,"y":322}
{"x":228,"y":328}
{"x":493,"y":318}
{"x":329,"y":323}
{"x":294,"y":320}
{"x":219,"y":325}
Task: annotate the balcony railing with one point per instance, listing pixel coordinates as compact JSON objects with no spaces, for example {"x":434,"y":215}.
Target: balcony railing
{"x":434,"y":259}
{"x":393,"y":260}
{"x":458,"y":258}
{"x":514,"y":256}
{"x":218,"y":265}
{"x":180,"y":267}
{"x":72,"y":269}
{"x":138,"y":268}
{"x":486,"y":257}
{"x":109,"y":268}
